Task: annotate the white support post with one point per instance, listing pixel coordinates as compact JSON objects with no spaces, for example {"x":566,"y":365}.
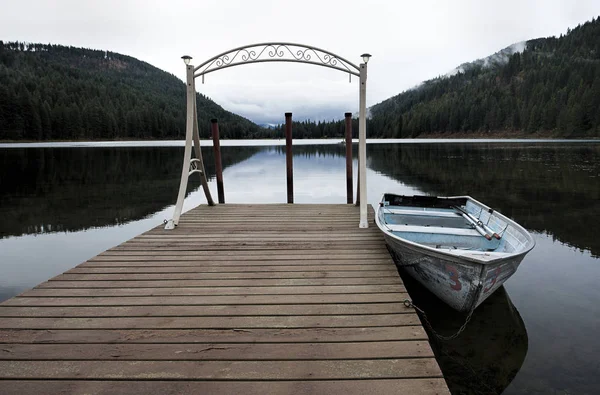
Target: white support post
{"x":362,"y":146}
{"x":189,"y":129}
{"x":198,"y":153}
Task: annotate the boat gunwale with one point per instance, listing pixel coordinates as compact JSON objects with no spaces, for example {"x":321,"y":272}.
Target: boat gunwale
{"x":459,"y":258}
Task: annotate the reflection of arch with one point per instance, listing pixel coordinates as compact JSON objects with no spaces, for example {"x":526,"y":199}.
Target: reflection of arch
{"x":260,"y":53}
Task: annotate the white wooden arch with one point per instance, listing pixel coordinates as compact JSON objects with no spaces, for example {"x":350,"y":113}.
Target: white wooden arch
{"x":261,"y":53}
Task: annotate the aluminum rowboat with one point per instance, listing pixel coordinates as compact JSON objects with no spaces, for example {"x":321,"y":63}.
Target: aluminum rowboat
{"x":458,"y":248}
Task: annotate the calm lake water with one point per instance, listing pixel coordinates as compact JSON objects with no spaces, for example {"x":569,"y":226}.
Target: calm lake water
{"x":538,"y":334}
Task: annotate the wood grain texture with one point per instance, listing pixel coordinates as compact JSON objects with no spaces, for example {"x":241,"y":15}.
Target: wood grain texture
{"x":221,"y":291}
{"x":232,"y":335}
{"x":254,"y":299}
{"x":235,"y":282}
{"x":198,"y":311}
{"x":426,"y":386}
{"x":218,"y":352}
{"x":207,"y":300}
{"x":222,"y":370}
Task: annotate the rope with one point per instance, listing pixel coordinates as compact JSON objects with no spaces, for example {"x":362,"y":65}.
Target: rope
{"x":409,"y":303}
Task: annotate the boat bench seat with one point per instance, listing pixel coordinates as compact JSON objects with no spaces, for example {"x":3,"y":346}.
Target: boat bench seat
{"x":423,"y":212}
{"x":433,"y":229}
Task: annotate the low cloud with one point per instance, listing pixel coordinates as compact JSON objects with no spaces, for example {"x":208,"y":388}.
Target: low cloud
{"x":264,"y":101}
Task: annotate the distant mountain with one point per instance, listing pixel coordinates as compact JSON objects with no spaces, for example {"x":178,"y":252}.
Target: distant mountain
{"x":543,"y":87}
{"x":500,"y":58}
{"x":268,"y":125}
{"x":53,"y":92}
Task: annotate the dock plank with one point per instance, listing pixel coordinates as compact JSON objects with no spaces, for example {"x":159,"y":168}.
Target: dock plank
{"x":254,"y":299}
{"x":235,"y":282}
{"x":246,"y":322}
{"x":222,"y":370}
{"x":224,"y":269}
{"x":207,"y":300}
{"x":197,"y":311}
{"x":221,"y":291}
{"x":216,"y":336}
{"x":314,"y":273}
{"x":425,"y":386}
{"x":218,"y":352}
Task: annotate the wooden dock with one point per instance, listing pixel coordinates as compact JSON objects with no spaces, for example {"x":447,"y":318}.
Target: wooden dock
{"x":238,"y":299}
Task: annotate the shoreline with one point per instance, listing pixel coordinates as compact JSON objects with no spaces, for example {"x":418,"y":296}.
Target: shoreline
{"x":431,"y":136}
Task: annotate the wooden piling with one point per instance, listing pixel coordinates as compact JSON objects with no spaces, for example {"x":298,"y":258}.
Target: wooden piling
{"x":288,"y":157}
{"x":218,"y":164}
{"x":348,"y":116}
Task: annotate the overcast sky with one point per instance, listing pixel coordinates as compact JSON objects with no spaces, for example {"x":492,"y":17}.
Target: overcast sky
{"x":410,"y":41}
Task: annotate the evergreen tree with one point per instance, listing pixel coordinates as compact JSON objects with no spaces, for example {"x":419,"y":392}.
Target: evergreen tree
{"x":58,"y":92}
{"x":553,"y":86}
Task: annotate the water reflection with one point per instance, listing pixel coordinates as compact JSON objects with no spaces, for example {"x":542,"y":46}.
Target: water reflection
{"x":64,"y":189}
{"x":551,"y":188}
{"x":104,"y":196}
{"x":548,"y":188}
{"x":486,"y":357}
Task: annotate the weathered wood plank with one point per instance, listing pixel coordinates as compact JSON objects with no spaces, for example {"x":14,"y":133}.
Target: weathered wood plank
{"x":221,"y":291}
{"x":222,"y":276}
{"x":240,"y":246}
{"x":248,"y":227}
{"x":223,"y":269}
{"x":231,"y":235}
{"x":236,"y":282}
{"x":273,"y":228}
{"x":238,"y":262}
{"x":249,"y":244}
{"x":223,"y":370}
{"x":195,"y":311}
{"x":190,"y":256}
{"x":305,"y":321}
{"x":232,"y":335}
{"x":218,"y":352}
{"x":436,"y":386}
{"x":208,"y":300}
{"x":354,"y":254}
{"x":224,"y":222}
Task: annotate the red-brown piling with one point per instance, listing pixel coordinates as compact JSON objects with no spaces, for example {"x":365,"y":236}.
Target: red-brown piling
{"x":218,"y":164}
{"x":288,"y":157}
{"x":348,"y":116}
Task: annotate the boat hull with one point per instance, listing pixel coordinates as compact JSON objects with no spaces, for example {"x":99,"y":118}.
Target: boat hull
{"x":462,"y":285}
{"x":428,"y":238}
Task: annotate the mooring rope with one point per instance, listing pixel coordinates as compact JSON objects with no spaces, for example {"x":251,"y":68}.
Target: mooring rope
{"x":409,"y":303}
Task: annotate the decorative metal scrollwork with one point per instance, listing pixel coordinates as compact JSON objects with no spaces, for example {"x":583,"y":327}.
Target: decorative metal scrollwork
{"x":276,"y":52}
{"x":195,"y":166}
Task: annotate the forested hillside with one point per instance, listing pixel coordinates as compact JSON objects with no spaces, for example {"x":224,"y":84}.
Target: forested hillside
{"x":552,"y":89}
{"x":53,"y":92}
{"x":318,"y":130}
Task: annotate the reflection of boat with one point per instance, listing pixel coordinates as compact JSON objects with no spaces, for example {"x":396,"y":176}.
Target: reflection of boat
{"x":458,"y":248}
{"x":488,"y":354}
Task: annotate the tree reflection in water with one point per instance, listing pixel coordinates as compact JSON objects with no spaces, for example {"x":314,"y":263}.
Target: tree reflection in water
{"x":71,"y":189}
